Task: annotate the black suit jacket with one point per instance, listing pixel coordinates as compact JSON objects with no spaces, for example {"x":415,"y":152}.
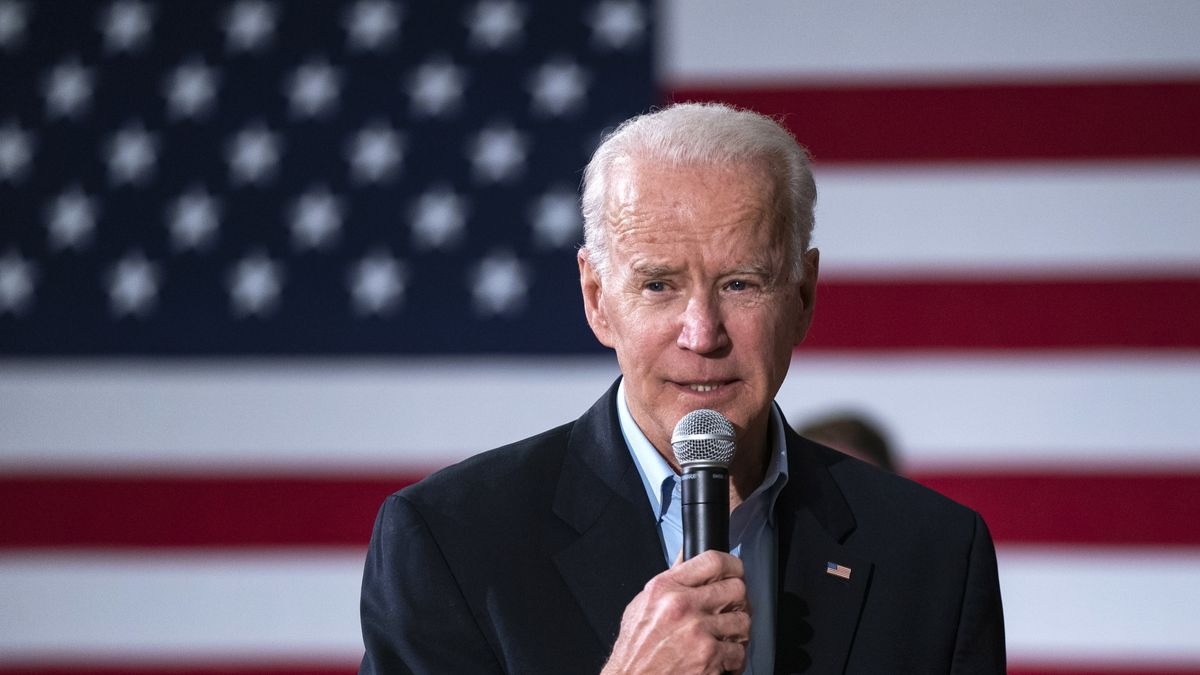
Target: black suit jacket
{"x":522,"y":560}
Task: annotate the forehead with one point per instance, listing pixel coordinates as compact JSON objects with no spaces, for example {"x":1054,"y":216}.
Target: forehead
{"x":655,"y":203}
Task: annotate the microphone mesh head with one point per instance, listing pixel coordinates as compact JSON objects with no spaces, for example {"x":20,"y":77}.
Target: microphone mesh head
{"x":703,"y":436}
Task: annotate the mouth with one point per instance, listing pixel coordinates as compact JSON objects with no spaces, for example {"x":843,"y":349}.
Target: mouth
{"x":705,"y":387}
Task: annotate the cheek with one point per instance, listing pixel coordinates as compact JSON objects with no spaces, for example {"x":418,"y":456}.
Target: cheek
{"x":769,"y":344}
{"x":642,"y":341}
{"x":641,"y":325}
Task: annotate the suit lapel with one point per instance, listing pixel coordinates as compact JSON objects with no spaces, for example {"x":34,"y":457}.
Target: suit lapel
{"x":818,"y":611}
{"x":600,"y":495}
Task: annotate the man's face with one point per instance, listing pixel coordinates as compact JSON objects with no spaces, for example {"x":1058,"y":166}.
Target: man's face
{"x":698,"y":301}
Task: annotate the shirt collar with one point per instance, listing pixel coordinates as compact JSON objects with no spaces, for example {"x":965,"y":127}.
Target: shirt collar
{"x":655,"y":471}
{"x":651,"y":466}
{"x":776,"y":475}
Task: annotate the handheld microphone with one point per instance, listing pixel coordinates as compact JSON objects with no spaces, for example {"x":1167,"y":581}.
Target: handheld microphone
{"x":704,"y":443}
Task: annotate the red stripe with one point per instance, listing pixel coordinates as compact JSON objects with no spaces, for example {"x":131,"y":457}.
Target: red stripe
{"x":1035,"y":314}
{"x":1081,"y":508}
{"x":1107,"y":669}
{"x":349,"y":670}
{"x":144,"y":668}
{"x":1147,"y":119}
{"x":134,"y":511}
{"x":306,"y":669}
{"x":66,"y":511}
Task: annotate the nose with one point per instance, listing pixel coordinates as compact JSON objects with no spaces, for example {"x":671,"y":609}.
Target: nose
{"x":702,"y":329}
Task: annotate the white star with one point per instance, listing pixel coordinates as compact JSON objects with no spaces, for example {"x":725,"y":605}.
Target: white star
{"x":17,"y":279}
{"x":133,"y":286}
{"x":556,"y":219}
{"x":132,"y":153}
{"x":617,"y":24}
{"x":436,"y":87}
{"x":439,"y":219}
{"x":190,"y":89}
{"x":377,"y":283}
{"x":497,"y":153}
{"x":558,"y":87}
{"x":193,"y":219}
{"x":250,"y":25}
{"x":495,"y":24}
{"x":71,"y":218}
{"x":254,"y":285}
{"x":374,"y":153}
{"x":253,"y":155}
{"x":371,"y":24}
{"x":126,"y":26}
{"x":16,"y":151}
{"x":312,"y":89}
{"x":499,"y":284}
{"x":316,"y":219}
{"x":13,"y":22}
{"x":68,"y":89}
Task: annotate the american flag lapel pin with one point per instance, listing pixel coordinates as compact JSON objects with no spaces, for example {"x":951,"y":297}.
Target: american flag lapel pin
{"x":837,"y":570}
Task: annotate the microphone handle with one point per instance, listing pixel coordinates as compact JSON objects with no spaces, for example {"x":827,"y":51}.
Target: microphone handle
{"x":705,"y":509}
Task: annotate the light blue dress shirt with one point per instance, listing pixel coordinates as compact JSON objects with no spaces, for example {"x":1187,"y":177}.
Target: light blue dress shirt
{"x":752,"y":535}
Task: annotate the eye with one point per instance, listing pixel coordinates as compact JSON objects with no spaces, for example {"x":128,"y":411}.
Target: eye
{"x":738,"y":285}
{"x":656,"y":286}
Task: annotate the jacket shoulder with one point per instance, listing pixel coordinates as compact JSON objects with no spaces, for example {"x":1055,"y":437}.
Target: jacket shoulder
{"x":497,"y":476}
{"x":882,"y":501}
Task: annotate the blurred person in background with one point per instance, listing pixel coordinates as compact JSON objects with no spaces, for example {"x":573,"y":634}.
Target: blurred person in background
{"x":854,"y":434}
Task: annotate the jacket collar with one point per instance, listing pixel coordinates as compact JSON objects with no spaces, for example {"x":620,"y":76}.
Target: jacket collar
{"x":818,"y":611}
{"x":600,"y":495}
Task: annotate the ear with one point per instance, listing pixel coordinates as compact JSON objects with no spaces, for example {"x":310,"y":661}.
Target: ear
{"x":593,"y":299}
{"x":808,"y":293}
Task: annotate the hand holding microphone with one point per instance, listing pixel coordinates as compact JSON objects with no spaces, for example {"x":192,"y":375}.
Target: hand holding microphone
{"x":694,"y":617}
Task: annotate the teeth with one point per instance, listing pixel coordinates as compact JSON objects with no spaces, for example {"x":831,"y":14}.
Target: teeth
{"x":703,"y":387}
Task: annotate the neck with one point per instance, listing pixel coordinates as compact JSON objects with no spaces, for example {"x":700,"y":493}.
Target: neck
{"x":749,"y":466}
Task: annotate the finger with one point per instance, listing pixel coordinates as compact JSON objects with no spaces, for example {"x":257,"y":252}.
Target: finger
{"x":709,"y":654}
{"x":730,"y":626}
{"x":725,"y":595}
{"x":731,"y":656}
{"x":706,"y":568}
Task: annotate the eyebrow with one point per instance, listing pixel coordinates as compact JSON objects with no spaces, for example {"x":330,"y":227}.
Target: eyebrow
{"x":652,"y":270}
{"x":753,"y":269}
{"x":657,"y":270}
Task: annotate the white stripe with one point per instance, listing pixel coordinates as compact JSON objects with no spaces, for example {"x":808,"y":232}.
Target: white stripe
{"x":283,"y":414}
{"x":1120,"y":409}
{"x":1061,"y":606}
{"x":981,"y":413}
{"x":1081,"y":607}
{"x":217,"y":606}
{"x":1042,"y":219}
{"x":706,"y":40}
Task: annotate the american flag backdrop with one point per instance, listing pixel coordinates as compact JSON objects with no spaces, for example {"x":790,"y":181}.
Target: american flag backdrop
{"x":263,"y":263}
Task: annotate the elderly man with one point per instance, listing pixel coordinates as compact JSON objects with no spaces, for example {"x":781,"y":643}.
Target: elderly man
{"x":560,"y":553}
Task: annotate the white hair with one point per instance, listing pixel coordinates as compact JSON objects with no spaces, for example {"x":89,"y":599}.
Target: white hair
{"x":714,"y":134}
